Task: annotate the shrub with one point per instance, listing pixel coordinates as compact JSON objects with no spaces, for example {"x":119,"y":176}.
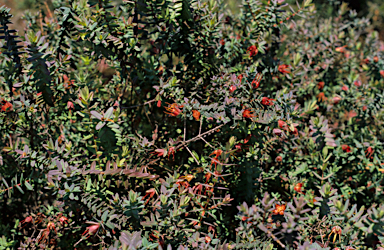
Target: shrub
{"x":153,"y":124}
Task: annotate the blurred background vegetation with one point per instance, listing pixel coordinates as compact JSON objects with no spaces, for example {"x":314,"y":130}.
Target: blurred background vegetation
{"x":372,"y":9}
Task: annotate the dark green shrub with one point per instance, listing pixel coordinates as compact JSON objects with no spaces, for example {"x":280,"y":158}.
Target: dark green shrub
{"x":153,"y":124}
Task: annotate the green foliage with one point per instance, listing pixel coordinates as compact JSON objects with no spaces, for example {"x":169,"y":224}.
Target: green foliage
{"x":153,"y":124}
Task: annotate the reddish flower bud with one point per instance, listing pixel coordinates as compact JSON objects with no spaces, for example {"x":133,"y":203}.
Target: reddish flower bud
{"x":159,"y":103}
{"x":279,"y":159}
{"x":375,"y":59}
{"x":70,"y":105}
{"x":232,"y":88}
{"x":382,"y":73}
{"x":336,"y":99}
{"x":357,"y":83}
{"x":222,"y":42}
{"x":345,"y":88}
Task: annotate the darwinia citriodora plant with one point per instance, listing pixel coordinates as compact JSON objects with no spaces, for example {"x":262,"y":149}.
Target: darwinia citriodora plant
{"x":175,"y":124}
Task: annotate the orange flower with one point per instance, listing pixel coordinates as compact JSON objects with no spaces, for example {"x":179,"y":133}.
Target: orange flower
{"x":346,"y":148}
{"x":382,"y":73}
{"x":6,"y":106}
{"x":217,"y":152}
{"x":248,"y":114}
{"x":253,"y":50}
{"x":321,"y":97}
{"x":267,"y":101}
{"x":196,"y":115}
{"x":320,"y":85}
{"x":173,"y":109}
{"x":283,"y":69}
{"x":298,"y":187}
{"x":207,"y":239}
{"x":376,"y":59}
{"x":279,"y":209}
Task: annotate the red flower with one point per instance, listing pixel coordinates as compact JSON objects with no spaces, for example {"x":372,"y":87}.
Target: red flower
{"x":256,"y":82}
{"x":246,"y":140}
{"x":298,"y":187}
{"x":366,"y":60}
{"x":345,"y":88}
{"x":320,"y":85}
{"x":252,"y":50}
{"x":346,"y":148}
{"x":159,"y":103}
{"x":382,"y":73}
{"x":232,"y":88}
{"x":364,"y":108}
{"x":357,"y":83}
{"x":279,"y":209}
{"x":369,"y":151}
{"x":171,"y":151}
{"x":376,"y":59}
{"x":279,"y":159}
{"x":267,"y":101}
{"x":240,"y":77}
{"x":159,"y":152}
{"x":222,"y":42}
{"x":283,"y":69}
{"x":248,"y":114}
{"x":26,"y":220}
{"x":196,"y":114}
{"x":173,"y":109}
{"x":63,"y":220}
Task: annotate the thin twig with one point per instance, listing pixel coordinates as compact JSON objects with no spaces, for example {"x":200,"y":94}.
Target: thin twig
{"x":139,"y":104}
{"x":192,"y":155}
